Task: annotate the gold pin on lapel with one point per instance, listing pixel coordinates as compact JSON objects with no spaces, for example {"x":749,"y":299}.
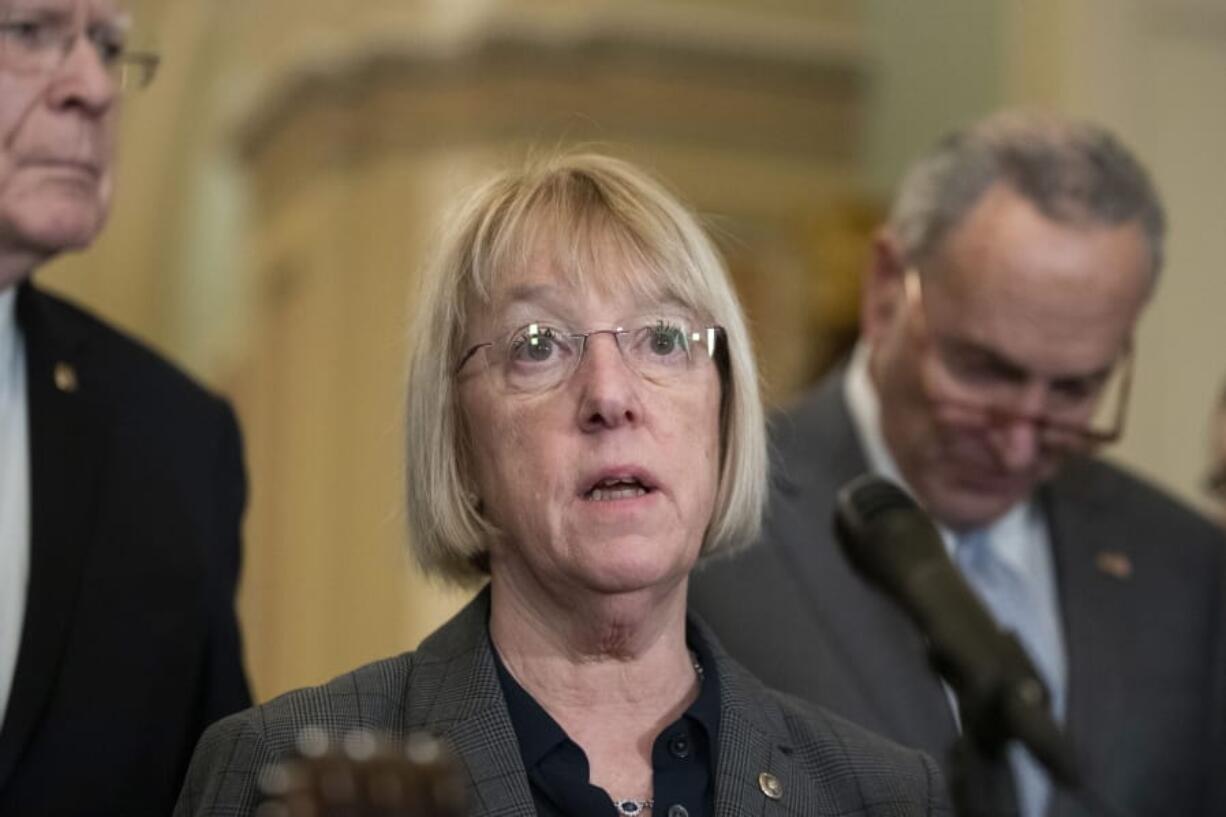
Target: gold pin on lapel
{"x":65,"y":377}
{"x":770,"y":785}
{"x":1115,"y":564}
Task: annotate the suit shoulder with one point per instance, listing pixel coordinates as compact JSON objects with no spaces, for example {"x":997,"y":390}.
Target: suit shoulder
{"x":224,"y":768}
{"x":807,"y":421}
{"x":1139,"y":507}
{"x":372,"y":696}
{"x":124,"y":362}
{"x":853,"y":769}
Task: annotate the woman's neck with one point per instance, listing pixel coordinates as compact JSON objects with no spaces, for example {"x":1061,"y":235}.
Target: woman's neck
{"x":583,"y":649}
{"x":613,"y":671}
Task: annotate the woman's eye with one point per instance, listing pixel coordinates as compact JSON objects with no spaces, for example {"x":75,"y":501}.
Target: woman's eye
{"x":540,"y":347}
{"x":665,"y":339}
{"x":534,"y":345}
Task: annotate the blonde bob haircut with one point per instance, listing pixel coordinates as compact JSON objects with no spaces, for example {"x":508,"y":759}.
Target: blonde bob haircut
{"x":604,"y":224}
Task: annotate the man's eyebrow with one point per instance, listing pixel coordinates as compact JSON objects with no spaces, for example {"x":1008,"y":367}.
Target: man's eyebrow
{"x":1100,"y":374}
{"x":970,"y":349}
{"x":119,"y":24}
{"x":1004,"y":362}
{"x":43,"y":14}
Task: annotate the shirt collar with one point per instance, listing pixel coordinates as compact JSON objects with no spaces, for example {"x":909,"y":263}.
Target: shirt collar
{"x":1007,"y":535}
{"x":538,"y":733}
{"x":705,"y":708}
{"x":865,"y":409}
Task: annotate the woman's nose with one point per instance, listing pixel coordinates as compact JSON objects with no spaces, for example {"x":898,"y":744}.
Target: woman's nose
{"x":609,"y":387}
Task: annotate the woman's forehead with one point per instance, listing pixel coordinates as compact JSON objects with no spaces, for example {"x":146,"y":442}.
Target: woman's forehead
{"x":553,"y":274}
{"x":558,"y":297}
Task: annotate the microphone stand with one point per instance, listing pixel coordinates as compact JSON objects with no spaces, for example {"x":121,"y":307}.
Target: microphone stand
{"x":995,"y":707}
{"x":980,"y":782}
{"x":896,"y":547}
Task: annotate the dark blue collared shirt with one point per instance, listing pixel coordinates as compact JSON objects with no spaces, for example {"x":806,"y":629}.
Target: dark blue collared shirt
{"x":682,"y":756}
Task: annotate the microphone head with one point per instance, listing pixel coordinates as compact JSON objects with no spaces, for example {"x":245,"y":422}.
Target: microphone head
{"x":868,"y":495}
{"x":893,"y":544}
{"x":883,"y":531}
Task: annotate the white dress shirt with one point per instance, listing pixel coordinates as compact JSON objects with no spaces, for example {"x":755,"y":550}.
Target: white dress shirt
{"x":14,"y":492}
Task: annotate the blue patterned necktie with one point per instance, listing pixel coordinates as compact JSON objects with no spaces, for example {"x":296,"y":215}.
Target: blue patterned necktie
{"x":1014,"y":606}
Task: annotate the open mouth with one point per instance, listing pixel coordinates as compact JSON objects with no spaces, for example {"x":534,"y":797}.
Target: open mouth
{"x":612,"y":488}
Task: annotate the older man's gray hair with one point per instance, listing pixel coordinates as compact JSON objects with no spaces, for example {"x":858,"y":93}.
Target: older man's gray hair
{"x":1073,"y":172}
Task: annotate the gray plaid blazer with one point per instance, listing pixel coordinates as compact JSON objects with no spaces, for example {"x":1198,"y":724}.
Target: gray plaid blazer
{"x":449,"y":687}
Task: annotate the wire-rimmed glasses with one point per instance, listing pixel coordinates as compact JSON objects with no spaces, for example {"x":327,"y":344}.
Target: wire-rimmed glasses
{"x":33,"y":43}
{"x":1079,"y":413}
{"x":540,"y":356}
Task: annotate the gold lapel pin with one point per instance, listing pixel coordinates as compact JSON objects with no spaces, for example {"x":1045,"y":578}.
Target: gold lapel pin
{"x":65,"y":377}
{"x":1115,"y":564}
{"x":770,"y":785}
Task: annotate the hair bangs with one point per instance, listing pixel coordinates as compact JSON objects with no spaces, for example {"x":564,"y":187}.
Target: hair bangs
{"x":590,"y":235}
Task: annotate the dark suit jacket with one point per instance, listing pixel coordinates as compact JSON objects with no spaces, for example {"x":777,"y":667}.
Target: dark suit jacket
{"x":130,"y":644}
{"x":450,"y":688}
{"x":1145,"y":635}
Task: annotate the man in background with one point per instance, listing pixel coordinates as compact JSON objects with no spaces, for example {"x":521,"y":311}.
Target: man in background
{"x":997,"y":338}
{"x":121,"y":481}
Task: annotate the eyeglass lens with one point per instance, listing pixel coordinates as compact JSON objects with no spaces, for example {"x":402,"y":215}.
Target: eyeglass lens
{"x":36,"y":39}
{"x":540,"y":356}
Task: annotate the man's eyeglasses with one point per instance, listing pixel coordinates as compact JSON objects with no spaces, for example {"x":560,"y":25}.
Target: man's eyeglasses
{"x":541,"y":356}
{"x":974,"y":389}
{"x":36,"y":45}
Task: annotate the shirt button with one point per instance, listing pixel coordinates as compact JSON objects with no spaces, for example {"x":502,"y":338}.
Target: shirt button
{"x":677,"y":810}
{"x":679,"y":746}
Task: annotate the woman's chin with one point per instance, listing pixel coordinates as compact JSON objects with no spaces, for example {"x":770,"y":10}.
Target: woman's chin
{"x":629,"y":573}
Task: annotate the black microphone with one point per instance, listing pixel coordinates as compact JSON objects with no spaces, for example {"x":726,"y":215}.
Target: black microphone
{"x":893,"y":543}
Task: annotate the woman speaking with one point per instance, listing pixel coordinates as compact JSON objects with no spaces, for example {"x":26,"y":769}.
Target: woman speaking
{"x":584,"y":425}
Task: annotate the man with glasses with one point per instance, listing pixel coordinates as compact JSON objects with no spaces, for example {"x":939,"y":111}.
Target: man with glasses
{"x":994,"y":360}
{"x":121,"y":481}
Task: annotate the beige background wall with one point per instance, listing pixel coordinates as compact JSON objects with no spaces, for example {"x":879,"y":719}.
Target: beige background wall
{"x":283,"y":178}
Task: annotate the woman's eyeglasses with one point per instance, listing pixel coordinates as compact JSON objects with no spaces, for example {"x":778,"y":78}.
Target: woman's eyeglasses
{"x":540,"y":356}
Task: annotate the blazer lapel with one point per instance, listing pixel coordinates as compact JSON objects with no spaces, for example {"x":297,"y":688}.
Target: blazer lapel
{"x":862,"y":629}
{"x":752,"y":763}
{"x":461,"y":701}
{"x":66,"y":433}
{"x":1091,"y":556}
{"x":756,"y":767}
{"x":497,"y":780}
